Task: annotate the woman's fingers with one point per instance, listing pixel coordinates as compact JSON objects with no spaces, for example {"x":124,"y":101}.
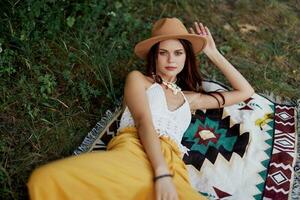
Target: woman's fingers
{"x":192,"y":31}
{"x":203,"y":29}
{"x":197,"y":27}
{"x":164,"y":197}
{"x":200,"y":29}
{"x":174,"y":198}
{"x":167,"y":197}
{"x":207,"y":30}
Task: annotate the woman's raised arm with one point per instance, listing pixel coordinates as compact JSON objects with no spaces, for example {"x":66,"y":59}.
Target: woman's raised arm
{"x":242,"y":89}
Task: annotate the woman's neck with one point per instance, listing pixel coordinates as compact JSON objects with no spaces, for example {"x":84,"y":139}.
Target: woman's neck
{"x":171,"y":79}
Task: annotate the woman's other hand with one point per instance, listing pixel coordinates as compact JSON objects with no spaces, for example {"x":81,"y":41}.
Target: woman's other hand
{"x":165,"y":189}
{"x":202,"y":30}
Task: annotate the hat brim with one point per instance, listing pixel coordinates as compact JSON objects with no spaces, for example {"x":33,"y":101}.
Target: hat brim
{"x":143,"y":47}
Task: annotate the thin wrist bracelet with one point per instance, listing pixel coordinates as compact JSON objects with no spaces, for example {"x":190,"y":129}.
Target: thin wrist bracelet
{"x":162,"y":176}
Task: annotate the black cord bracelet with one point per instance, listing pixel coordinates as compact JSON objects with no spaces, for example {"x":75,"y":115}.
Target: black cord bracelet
{"x":162,"y":176}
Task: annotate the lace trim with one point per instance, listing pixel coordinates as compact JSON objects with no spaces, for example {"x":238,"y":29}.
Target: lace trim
{"x":183,"y":149}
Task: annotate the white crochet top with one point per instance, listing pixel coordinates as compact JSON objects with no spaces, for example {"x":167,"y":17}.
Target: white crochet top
{"x":171,"y":123}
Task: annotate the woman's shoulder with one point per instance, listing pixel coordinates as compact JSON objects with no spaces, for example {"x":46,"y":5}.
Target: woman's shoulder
{"x":140,"y":78}
{"x":136,"y":78}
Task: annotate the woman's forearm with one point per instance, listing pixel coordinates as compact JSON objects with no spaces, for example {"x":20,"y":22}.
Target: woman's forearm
{"x":151,"y":144}
{"x":237,"y":81}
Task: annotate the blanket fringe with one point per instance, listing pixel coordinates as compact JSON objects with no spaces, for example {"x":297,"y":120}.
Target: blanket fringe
{"x":280,"y":100}
{"x":92,"y":136}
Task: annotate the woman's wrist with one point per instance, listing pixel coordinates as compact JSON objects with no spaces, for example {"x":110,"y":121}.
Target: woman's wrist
{"x":162,"y":176}
{"x":161,"y":170}
{"x":212,"y":54}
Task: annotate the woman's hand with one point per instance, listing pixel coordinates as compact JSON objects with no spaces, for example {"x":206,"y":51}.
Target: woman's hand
{"x":199,"y":29}
{"x":165,"y":189}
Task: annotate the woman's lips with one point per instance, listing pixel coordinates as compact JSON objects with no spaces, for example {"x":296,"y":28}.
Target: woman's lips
{"x":170,"y":68}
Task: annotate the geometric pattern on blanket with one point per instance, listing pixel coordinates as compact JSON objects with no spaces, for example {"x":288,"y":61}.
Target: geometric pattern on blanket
{"x":244,"y":151}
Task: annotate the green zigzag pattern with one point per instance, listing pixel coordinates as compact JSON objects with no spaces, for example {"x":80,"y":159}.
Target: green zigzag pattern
{"x":226,"y":142}
{"x":265,"y":163}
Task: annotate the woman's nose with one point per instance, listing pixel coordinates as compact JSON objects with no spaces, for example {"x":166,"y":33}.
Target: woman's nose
{"x":170,"y":58}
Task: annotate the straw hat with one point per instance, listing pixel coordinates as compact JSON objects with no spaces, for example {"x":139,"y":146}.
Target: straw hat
{"x":169,"y":28}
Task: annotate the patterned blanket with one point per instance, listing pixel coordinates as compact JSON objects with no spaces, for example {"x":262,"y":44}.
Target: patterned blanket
{"x":244,"y":151}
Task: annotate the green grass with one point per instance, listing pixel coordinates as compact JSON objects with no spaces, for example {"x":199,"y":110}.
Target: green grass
{"x":63,"y":64}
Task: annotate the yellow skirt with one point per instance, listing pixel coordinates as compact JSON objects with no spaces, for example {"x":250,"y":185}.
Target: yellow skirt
{"x":122,"y":172}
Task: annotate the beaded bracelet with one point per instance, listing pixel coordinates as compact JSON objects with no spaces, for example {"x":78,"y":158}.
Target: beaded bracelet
{"x":162,"y":176}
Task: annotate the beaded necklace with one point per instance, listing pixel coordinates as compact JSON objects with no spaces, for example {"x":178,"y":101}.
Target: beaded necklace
{"x":172,"y":85}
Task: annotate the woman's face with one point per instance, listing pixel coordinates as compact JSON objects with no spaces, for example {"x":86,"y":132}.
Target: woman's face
{"x":170,"y":59}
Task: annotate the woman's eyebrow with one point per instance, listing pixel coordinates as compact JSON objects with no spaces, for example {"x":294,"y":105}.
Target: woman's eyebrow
{"x":175,"y":50}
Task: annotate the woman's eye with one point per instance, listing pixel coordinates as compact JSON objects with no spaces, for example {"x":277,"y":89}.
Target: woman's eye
{"x":162,"y":53}
{"x":178,"y":53}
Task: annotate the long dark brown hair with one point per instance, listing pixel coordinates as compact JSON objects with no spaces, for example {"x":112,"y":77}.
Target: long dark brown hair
{"x":189,"y":78}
